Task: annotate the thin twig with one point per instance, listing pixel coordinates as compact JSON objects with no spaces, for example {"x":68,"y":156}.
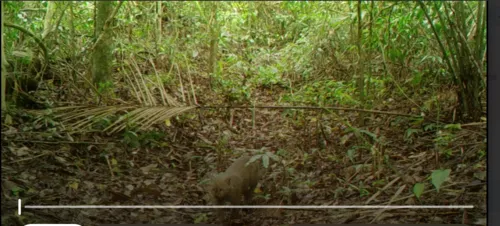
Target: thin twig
{"x":316,"y":108}
{"x":29,"y":158}
{"x":57,"y":142}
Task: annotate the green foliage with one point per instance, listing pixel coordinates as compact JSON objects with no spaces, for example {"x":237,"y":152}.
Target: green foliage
{"x":328,"y":93}
{"x":45,"y":121}
{"x":351,"y":152}
{"x":266,"y":197}
{"x":268,"y":76}
{"x":380,"y":182}
{"x":285,"y":191}
{"x":200,"y":218}
{"x":363,"y":191}
{"x":453,"y":127}
{"x":105,"y":87}
{"x":445,"y":137}
{"x":233,"y":90}
{"x":151,"y":139}
{"x":131,"y":139}
{"x":282,"y":152}
{"x":481,"y":154}
{"x":410,"y":134}
{"x":102,"y":123}
{"x":418,"y":189}
{"x":167,"y":79}
{"x":399,"y":120}
{"x":308,"y":183}
{"x":265,"y":156}
{"x":377,"y":84}
{"x":16,"y":191}
{"x":438,"y":177}
{"x":430,"y":127}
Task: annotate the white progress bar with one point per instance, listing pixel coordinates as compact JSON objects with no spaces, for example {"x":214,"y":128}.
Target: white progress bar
{"x":249,"y":207}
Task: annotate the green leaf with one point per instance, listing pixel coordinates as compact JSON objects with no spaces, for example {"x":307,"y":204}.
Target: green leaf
{"x":253,"y":159}
{"x":439,"y":176}
{"x":200,"y":218}
{"x":417,"y":79}
{"x":16,"y":190}
{"x":265,"y":161}
{"x":418,"y":189}
{"x":273,"y":156}
{"x":430,"y":127}
{"x":453,"y":126}
{"x":372,"y":135}
{"x":350,"y":153}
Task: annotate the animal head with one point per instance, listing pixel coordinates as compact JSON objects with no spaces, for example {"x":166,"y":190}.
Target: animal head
{"x":222,"y":186}
{"x":219,"y":188}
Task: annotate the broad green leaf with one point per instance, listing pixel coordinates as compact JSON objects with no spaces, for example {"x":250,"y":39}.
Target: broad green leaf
{"x":439,"y":176}
{"x":418,"y":189}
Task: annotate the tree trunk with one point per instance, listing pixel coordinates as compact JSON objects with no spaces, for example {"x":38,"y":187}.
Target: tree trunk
{"x":102,"y":55}
{"x":4,"y":74}
{"x":214,"y":41}
{"x":361,"y":78}
{"x":47,"y":24}
{"x":158,"y":32}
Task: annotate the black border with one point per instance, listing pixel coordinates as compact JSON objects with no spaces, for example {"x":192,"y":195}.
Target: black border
{"x":493,"y":38}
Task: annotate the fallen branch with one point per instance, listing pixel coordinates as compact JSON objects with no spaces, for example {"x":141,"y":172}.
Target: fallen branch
{"x":317,"y":108}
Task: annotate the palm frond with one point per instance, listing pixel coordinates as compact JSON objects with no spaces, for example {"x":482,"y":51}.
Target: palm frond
{"x":81,"y":117}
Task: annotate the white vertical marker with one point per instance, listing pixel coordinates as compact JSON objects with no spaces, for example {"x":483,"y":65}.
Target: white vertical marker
{"x":19,"y":207}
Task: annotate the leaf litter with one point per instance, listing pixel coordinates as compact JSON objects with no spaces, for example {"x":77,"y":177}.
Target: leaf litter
{"x":316,"y":168}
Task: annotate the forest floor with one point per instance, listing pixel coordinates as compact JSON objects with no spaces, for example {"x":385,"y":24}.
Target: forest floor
{"x":45,"y":166}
